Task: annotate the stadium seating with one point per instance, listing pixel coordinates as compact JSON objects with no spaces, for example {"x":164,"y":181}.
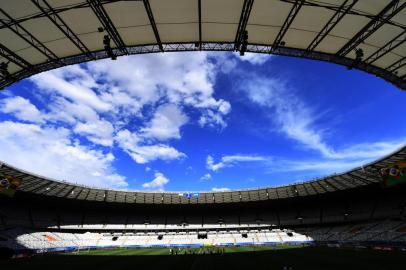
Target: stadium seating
{"x":41,"y":241}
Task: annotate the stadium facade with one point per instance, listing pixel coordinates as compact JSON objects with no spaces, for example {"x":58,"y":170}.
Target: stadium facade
{"x":365,"y":206}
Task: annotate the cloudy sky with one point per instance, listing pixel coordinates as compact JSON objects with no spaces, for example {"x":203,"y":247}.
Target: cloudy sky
{"x":198,"y":121}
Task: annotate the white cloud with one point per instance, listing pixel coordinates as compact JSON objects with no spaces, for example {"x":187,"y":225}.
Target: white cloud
{"x":98,"y":132}
{"x":51,"y":152}
{"x":158,"y":183}
{"x":298,"y":121}
{"x":22,"y":109}
{"x":130,"y":143}
{"x":368,"y":151}
{"x":73,"y":83}
{"x":222,"y":189}
{"x":69,"y":112}
{"x":166,"y":123}
{"x":290,"y":114}
{"x":145,"y":154}
{"x":230,"y":161}
{"x":206,"y":177}
{"x":149,"y":77}
{"x":254,"y":58}
{"x":147,"y":169}
{"x":101,"y":98}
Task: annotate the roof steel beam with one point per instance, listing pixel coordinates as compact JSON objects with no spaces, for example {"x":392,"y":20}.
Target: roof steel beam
{"x":391,"y":45}
{"x":46,"y":9}
{"x":242,"y":24}
{"x":13,"y":57}
{"x":329,"y":6}
{"x":199,"y":7}
{"x":224,"y":46}
{"x":362,"y":179}
{"x":334,"y":20}
{"x":288,"y":21}
{"x":101,"y":14}
{"x":398,"y":64}
{"x":153,"y":24}
{"x":374,"y":24}
{"x":333,"y":7}
{"x":26,"y":36}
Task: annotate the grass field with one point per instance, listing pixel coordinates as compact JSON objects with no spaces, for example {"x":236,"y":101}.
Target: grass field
{"x":314,"y":258}
{"x":166,"y":251}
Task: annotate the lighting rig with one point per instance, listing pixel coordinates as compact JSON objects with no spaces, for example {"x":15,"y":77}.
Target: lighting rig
{"x":107,"y":47}
{"x":244,"y":43}
{"x":4,"y":69}
{"x":359,"y":54}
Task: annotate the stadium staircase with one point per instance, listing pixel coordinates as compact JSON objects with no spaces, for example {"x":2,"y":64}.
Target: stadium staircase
{"x":99,"y":237}
{"x":125,"y":240}
{"x":375,"y":235}
{"x":279,"y":237}
{"x":361,"y":231}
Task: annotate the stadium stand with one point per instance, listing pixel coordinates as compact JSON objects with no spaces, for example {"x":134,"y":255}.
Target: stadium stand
{"x":362,"y":212}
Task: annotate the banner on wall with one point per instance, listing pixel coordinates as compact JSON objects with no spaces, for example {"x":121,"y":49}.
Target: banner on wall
{"x":394,"y":174}
{"x":9,"y":185}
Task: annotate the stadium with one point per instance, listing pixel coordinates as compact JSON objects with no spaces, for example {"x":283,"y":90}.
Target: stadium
{"x":354,"y":219}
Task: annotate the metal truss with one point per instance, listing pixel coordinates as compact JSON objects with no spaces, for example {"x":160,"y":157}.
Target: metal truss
{"x":334,"y":20}
{"x":199,"y":10}
{"x":101,"y":14}
{"x":152,"y":22}
{"x":242,"y":24}
{"x":391,"y":45}
{"x":26,"y":36}
{"x":385,"y":15}
{"x":319,"y":4}
{"x":58,"y":22}
{"x":387,"y":74}
{"x":288,"y":21}
{"x":333,"y":7}
{"x":13,"y":57}
{"x":398,"y":64}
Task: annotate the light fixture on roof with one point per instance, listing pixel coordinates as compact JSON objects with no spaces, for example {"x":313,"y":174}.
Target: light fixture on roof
{"x":359,"y":54}
{"x":244,"y":43}
{"x":107,"y":47}
{"x":4,"y":69}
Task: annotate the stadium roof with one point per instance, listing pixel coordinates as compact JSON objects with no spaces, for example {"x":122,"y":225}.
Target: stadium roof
{"x":40,"y":35}
{"x":362,"y":176}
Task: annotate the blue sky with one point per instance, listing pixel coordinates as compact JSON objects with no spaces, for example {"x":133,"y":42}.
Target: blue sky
{"x":199,"y":121}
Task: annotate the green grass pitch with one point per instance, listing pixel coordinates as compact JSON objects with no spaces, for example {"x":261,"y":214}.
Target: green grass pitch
{"x":314,"y":258}
{"x":166,"y":251}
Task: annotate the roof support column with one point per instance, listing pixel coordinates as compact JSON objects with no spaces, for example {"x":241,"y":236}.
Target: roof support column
{"x":153,"y":24}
